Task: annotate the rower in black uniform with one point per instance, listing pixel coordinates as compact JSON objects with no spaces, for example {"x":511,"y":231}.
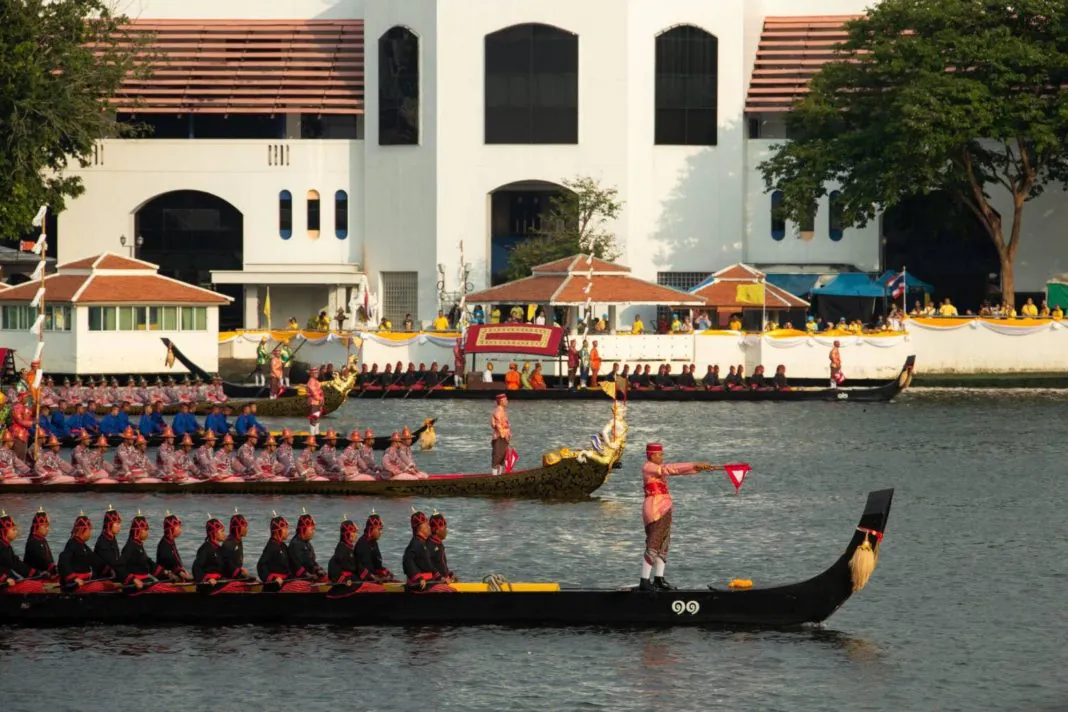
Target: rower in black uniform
{"x":167,"y":556}
{"x":369,"y":566}
{"x":435,"y":548}
{"x":342,"y":565}
{"x":273,"y":566}
{"x":780,"y":378}
{"x":77,"y":561}
{"x":233,"y":549}
{"x":135,"y":568}
{"x":208,"y":565}
{"x":686,"y":378}
{"x":302,"y":561}
{"x":107,"y":545}
{"x":417,"y":567}
{"x":12,"y":568}
{"x":38,"y":554}
{"x":711,"y":379}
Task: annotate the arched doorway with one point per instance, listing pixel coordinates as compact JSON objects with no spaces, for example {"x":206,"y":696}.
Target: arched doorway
{"x":516,"y":214}
{"x":939,"y":240}
{"x":189,"y":233}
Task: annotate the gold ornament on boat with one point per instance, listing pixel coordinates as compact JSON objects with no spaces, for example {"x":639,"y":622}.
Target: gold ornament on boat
{"x":740,"y":583}
{"x":863,"y":561}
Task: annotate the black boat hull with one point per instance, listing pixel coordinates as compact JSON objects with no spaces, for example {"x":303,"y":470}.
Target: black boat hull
{"x":877,"y":394}
{"x":789,"y":606}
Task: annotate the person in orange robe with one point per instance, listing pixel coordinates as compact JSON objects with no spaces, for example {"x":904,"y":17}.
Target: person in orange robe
{"x":511,"y":378}
{"x":537,"y":380}
{"x":314,"y":392}
{"x":595,"y":365}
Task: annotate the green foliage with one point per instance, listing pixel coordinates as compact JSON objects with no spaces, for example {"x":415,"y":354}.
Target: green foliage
{"x":574,"y":224}
{"x":60,"y":62}
{"x":953,"y":95}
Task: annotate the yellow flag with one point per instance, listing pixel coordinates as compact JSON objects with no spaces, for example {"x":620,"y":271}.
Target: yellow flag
{"x":609,"y":388}
{"x":531,"y":311}
{"x":267,"y":307}
{"x":750,"y":294}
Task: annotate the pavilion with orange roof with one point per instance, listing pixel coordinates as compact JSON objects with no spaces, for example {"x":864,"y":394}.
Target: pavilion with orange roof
{"x":746,"y":290}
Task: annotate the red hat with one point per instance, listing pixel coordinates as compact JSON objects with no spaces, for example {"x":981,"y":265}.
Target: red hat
{"x":394,"y":437}
{"x":212,"y":527}
{"x":368,"y":434}
{"x":137,"y":525}
{"x":209,"y":436}
{"x":278,"y":523}
{"x":252,"y":434}
{"x":81,"y":524}
{"x":310,"y":441}
{"x":111,"y":516}
{"x":128,"y":434}
{"x":501,"y":397}
{"x":418,"y":518}
{"x":7,"y":523}
{"x":168,"y":432}
{"x":102,"y":441}
{"x":39,"y":517}
{"x":304,"y":523}
{"x":437,"y":522}
{"x":227,"y":439}
{"x":372,"y":521}
{"x":170,"y":523}
{"x":186,"y":440}
{"x":85,"y":436}
{"x":238,"y":526}
{"x":348,"y":532}
{"x":140,"y":440}
{"x":653,"y":447}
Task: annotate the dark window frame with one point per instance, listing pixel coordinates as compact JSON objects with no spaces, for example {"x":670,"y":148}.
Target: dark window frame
{"x":315,"y":213}
{"x":835,"y":230}
{"x":531,"y":86}
{"x":778,"y":220}
{"x":398,"y":87}
{"x":341,"y":214}
{"x":686,"y":76}
{"x":285,"y":214}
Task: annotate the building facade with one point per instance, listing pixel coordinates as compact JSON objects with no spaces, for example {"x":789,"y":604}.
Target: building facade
{"x":331,"y":148}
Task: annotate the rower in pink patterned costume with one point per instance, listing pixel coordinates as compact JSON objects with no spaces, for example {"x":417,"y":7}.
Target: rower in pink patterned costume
{"x":656,"y":513}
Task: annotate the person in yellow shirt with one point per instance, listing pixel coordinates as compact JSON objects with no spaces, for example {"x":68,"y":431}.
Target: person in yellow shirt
{"x":735,"y":323}
{"x":810,"y":324}
{"x":639,"y":327}
{"x":1044,"y":311}
{"x":1030,"y":308}
{"x":947,"y":308}
{"x":676,"y":325}
{"x":441,"y":323}
{"x":1058,"y":313}
{"x":1008,"y":311}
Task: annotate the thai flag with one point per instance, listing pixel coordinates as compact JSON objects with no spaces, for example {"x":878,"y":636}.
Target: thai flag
{"x":896,"y":285}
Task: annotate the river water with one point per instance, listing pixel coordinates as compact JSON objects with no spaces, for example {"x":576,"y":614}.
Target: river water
{"x":966,"y":610}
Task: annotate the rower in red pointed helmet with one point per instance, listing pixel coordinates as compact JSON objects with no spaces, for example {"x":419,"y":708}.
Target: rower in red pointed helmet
{"x":417,"y":567}
{"x":167,"y":556}
{"x":435,"y":548}
{"x":82,"y":529}
{"x":11,"y":566}
{"x":136,"y":566}
{"x":38,"y":554}
{"x":139,"y":528}
{"x":369,"y":565}
{"x":77,"y":561}
{"x":207,"y":567}
{"x":273,"y":566}
{"x":233,"y":549}
{"x":302,"y":557}
{"x":342,"y":564}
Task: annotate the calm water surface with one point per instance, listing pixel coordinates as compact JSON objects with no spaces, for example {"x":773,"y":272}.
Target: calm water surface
{"x":967,"y":610}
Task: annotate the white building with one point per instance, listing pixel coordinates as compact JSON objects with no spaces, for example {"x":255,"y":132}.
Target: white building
{"x":106,"y":314}
{"x":325,"y":146}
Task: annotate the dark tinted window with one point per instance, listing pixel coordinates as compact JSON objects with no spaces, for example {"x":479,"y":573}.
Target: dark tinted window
{"x":531,"y":85}
{"x":687,"y":65}
{"x":285,"y":214}
{"x":398,"y":88}
{"x":341,"y":214}
{"x":778,"y":220}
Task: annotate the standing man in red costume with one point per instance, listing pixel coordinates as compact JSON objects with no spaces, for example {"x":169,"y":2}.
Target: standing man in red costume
{"x":21,"y":421}
{"x":502,"y":434}
{"x":656,"y":513}
{"x":836,"y":364}
{"x":315,"y":400}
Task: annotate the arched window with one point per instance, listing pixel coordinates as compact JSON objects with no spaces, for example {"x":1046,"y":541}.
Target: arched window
{"x":341,"y":214}
{"x":778,"y":220}
{"x":398,"y":88}
{"x":531,"y":86}
{"x":285,"y":214}
{"x":687,"y":66}
{"x":834,"y":216}
{"x":313,"y":214}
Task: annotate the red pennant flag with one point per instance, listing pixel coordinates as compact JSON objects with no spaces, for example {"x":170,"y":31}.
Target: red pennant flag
{"x":737,"y":474}
{"x":511,"y":457}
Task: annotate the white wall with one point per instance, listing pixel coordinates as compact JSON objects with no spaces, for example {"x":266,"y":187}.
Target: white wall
{"x":128,"y":173}
{"x":142,"y":351}
{"x":57,"y":357}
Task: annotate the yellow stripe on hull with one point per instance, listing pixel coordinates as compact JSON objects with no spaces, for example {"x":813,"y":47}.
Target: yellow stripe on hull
{"x":480,"y":587}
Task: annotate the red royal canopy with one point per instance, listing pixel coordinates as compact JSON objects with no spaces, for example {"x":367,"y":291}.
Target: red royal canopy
{"x":513,"y":339}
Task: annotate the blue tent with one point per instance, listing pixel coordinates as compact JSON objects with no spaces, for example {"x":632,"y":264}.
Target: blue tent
{"x":799,"y":284}
{"x":911,"y":281}
{"x":851,"y":284}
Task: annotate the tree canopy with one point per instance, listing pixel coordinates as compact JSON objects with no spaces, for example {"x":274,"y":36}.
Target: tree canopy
{"x":60,"y":62}
{"x":574,"y":223}
{"x":961,"y":96}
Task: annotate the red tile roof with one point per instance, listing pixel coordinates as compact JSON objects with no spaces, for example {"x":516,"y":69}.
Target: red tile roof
{"x":791,"y":51}
{"x":97,"y":288}
{"x":722,"y":290}
{"x":109,"y":260}
{"x":578,"y":263}
{"x":249,"y":66}
{"x":564,"y":282}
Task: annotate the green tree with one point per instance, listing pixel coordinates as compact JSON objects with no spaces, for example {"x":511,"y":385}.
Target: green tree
{"x":60,"y":63}
{"x":573,"y":224}
{"x":952,"y":95}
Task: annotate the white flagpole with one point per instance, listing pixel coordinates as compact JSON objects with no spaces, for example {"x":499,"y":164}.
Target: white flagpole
{"x":764,"y":305}
{"x":904,"y":291}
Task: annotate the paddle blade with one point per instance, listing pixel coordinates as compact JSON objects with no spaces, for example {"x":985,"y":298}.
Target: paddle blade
{"x":737,"y":473}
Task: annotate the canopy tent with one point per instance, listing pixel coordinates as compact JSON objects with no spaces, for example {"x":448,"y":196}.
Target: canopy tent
{"x":799,"y":284}
{"x":849,"y":296}
{"x":745,"y":289}
{"x":1057,"y":291}
{"x":911,"y":281}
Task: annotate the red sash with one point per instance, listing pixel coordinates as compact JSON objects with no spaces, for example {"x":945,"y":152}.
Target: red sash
{"x":654,"y":487}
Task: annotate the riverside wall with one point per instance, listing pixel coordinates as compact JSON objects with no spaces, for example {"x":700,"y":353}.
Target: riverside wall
{"x":941,"y":346}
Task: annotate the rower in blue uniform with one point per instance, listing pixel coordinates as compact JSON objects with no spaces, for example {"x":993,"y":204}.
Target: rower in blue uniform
{"x":247,"y":421}
{"x":111,"y":424}
{"x":44,"y":423}
{"x":83,"y":421}
{"x":216,"y":422}
{"x":59,"y":421}
{"x":185,"y":423}
{"x":147,"y":425}
{"x":157,"y":416}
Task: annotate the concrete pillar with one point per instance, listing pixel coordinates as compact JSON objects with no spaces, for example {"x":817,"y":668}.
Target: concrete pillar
{"x":613,"y":319}
{"x":252,"y":306}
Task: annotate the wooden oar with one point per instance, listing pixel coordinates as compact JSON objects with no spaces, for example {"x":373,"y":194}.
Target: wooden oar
{"x":393,"y":383}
